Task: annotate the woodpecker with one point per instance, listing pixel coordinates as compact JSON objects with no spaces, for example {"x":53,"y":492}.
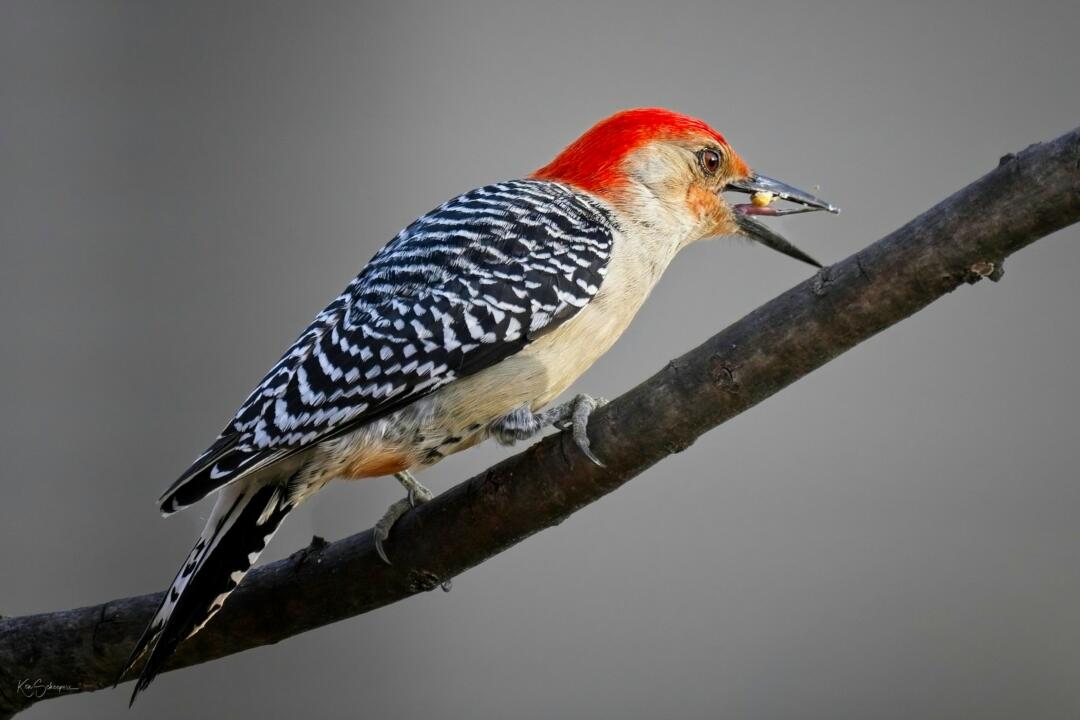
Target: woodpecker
{"x":465,"y":326}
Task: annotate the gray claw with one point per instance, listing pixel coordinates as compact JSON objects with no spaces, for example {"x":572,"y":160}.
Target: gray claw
{"x":587,"y":452}
{"x":379,"y":548}
{"x":579,"y":420}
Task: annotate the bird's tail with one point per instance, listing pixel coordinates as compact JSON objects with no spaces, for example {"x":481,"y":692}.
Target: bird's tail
{"x":244,"y":519}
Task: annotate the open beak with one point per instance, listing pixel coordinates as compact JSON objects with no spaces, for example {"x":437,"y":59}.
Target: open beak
{"x":753,"y":229}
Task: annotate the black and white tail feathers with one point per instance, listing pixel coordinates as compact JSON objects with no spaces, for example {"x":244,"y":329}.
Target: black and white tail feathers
{"x":244,"y":519}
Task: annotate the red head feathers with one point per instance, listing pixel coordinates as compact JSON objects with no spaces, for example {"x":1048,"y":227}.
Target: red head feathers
{"x":593,"y":162}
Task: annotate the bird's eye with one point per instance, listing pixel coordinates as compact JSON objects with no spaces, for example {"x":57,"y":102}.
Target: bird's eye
{"x":710,"y":161}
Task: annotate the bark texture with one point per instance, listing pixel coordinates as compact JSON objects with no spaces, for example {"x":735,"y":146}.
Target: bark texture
{"x":963,"y":239}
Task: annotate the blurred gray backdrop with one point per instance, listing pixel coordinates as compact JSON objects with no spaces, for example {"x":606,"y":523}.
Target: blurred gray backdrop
{"x":182,"y":186}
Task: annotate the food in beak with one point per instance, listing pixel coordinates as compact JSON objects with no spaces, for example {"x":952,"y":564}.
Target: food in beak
{"x":762,"y":198}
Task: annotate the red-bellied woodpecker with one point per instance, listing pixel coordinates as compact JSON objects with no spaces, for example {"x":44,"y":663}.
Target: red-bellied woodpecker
{"x":465,"y":326}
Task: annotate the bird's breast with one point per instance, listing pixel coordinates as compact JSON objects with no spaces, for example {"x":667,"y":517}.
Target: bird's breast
{"x":456,"y":416}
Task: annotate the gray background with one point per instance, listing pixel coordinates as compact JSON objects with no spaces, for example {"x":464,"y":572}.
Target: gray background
{"x":183,"y":187}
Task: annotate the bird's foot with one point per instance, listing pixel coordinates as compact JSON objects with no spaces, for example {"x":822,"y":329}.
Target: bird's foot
{"x":418,"y":495}
{"x":575,"y":415}
{"x":523,"y":423}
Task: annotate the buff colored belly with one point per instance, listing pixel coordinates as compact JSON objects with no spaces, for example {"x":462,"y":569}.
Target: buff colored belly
{"x":456,"y":416}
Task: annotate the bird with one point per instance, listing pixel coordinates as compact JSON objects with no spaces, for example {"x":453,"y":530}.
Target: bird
{"x":466,"y":326}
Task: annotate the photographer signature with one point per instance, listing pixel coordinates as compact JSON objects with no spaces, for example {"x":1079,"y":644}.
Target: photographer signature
{"x":39,"y":688}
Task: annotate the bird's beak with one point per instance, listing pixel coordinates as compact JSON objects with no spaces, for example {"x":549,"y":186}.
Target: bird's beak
{"x":754,"y":230}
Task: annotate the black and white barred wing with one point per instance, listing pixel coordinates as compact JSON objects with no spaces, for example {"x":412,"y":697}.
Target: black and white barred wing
{"x":460,"y":289}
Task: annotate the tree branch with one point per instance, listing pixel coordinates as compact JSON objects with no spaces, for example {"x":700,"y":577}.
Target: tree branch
{"x":961,"y":240}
